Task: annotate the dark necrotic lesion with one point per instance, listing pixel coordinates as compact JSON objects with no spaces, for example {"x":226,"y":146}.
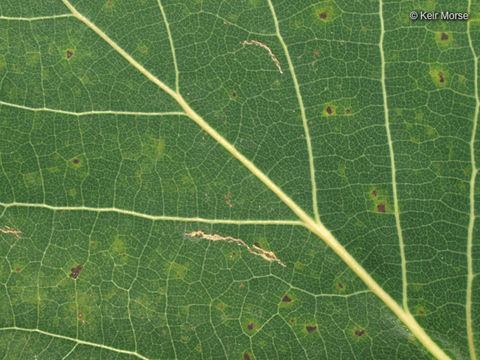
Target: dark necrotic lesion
{"x":75,"y":271}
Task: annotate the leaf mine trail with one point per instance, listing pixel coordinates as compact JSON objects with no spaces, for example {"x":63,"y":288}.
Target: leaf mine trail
{"x":315,"y":227}
{"x":255,"y":249}
{"x":272,"y":55}
{"x":9,"y":230}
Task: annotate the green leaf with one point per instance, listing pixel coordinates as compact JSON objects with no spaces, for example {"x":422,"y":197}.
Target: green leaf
{"x":238,"y":179}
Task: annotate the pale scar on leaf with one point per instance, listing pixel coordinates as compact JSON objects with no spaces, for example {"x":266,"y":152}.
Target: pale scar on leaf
{"x":272,"y":55}
{"x":9,"y":230}
{"x":255,"y":249}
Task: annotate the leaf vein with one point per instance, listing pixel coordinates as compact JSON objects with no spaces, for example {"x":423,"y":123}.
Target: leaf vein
{"x":392,"y":165}
{"x":172,"y":47}
{"x":471,"y":224}
{"x":302,"y":112}
{"x":78,"y":341}
{"x":93,"y":112}
{"x":154,"y":217}
{"x":314,"y":226}
{"x":16,"y":18}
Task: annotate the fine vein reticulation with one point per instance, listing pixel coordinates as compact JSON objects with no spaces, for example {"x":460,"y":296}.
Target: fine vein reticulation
{"x":314,"y":226}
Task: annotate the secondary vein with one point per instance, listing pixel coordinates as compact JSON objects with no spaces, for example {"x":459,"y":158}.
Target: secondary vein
{"x":78,"y":341}
{"x":16,"y":18}
{"x":302,"y":112}
{"x":471,"y":224}
{"x":154,"y":217}
{"x":392,"y":166}
{"x":172,"y":47}
{"x":93,"y":112}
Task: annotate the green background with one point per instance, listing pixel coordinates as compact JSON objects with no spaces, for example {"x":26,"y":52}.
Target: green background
{"x":85,"y":137}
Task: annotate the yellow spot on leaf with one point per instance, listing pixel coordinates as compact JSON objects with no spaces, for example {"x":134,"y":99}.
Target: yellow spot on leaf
{"x":32,"y":179}
{"x":118,"y":245}
{"x":177,"y":271}
{"x":443,"y":38}
{"x":439,"y":76}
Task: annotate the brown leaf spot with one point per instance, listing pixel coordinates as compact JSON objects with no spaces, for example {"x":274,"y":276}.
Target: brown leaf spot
{"x":92,"y":244}
{"x":109,"y":4}
{"x":359,"y":332}
{"x":347,"y":111}
{"x":18,"y":269}
{"x":421,"y":312}
{"x":292,"y":320}
{"x":381,"y":208}
{"x":257,"y":245}
{"x":69,"y":54}
{"x":250,"y":326}
{"x":241,"y":285}
{"x":340,"y":285}
{"x":311,"y":328}
{"x":246,"y":356}
{"x":80,"y":315}
{"x":329,"y":110}
{"x":316,"y":52}
{"x":323,"y":15}
{"x":76,"y":161}
{"x":234,"y":254}
{"x":374,"y":193}
{"x":76,"y":271}
{"x":124,"y":255}
{"x":444,"y":36}
{"x":234,"y":94}
{"x":441,"y":77}
{"x":286,"y":299}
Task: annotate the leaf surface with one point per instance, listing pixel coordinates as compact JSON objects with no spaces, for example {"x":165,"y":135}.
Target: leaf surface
{"x":245,"y":179}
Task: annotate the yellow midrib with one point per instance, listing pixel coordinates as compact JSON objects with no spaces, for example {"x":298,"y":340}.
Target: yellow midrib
{"x":317,"y":228}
